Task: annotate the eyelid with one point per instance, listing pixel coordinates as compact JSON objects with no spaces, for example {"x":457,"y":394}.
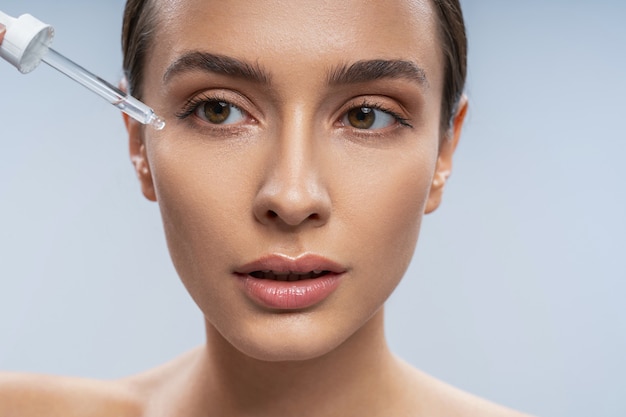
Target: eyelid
{"x":192,"y":104}
{"x":231,"y":97}
{"x":377,"y":103}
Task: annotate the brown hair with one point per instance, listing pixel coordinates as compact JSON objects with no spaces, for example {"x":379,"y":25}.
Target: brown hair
{"x":137,"y":30}
{"x":140,"y":22}
{"x":454,"y":46}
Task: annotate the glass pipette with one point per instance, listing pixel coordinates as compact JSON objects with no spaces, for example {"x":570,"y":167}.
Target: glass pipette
{"x":126,"y":103}
{"x":27,"y":42}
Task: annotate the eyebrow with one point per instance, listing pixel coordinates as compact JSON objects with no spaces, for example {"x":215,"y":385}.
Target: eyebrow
{"x":358,"y":72}
{"x":218,"y":64}
{"x":375,"y":69}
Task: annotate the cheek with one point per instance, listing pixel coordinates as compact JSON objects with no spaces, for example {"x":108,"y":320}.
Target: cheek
{"x":200,"y":208}
{"x":382,"y":216}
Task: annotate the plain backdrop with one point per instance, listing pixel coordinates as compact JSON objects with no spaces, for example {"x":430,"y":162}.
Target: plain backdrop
{"x":517,"y":289}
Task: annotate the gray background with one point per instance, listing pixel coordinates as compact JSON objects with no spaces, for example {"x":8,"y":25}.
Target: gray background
{"x":516,"y":291}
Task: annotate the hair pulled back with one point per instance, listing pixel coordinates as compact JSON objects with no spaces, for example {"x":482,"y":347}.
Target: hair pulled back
{"x":140,"y":20}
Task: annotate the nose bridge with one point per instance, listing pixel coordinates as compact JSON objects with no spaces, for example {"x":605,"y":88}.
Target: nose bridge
{"x":295,"y":167}
{"x":293,"y":192}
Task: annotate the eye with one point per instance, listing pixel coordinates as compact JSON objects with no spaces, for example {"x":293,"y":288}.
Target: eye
{"x":218,"y":112}
{"x":368,"y":118}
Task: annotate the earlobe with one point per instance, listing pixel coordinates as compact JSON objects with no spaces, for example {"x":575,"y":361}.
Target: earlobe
{"x":444,"y":160}
{"x":138,"y":156}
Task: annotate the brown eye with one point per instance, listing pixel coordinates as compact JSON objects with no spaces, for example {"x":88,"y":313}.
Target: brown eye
{"x":361,"y":117}
{"x":219,"y":112}
{"x":368,"y":118}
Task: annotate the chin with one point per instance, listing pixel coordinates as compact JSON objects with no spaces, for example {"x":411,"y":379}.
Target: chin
{"x":283,"y":352}
{"x":287,"y":337}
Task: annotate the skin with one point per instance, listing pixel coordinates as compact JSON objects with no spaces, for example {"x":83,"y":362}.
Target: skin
{"x":290,"y":176}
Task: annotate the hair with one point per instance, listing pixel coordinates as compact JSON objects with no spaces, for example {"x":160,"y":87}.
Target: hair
{"x":140,"y":21}
{"x":138,"y":27}
{"x":453,"y":40}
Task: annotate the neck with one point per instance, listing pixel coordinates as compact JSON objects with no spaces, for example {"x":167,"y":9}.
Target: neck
{"x":354,"y":376}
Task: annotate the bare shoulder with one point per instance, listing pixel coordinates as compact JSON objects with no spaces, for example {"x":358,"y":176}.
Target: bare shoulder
{"x":29,"y":395}
{"x":437,"y":398}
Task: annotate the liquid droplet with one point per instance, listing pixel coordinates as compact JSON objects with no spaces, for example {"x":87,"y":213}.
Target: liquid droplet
{"x":157,"y":123}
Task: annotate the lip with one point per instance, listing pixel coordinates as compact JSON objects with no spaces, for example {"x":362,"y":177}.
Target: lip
{"x":290,"y":295}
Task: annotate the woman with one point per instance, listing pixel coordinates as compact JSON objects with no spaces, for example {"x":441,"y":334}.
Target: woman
{"x":302,"y":146}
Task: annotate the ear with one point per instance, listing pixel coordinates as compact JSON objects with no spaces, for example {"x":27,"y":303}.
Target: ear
{"x":444,"y":160}
{"x":139,"y":157}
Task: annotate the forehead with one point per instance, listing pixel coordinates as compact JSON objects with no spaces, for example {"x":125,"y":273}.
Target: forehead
{"x":319,"y":33}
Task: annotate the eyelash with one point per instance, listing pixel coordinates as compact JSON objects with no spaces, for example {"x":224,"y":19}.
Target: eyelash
{"x":403,"y":121}
{"x":194,"y":103}
{"x":190,"y":107}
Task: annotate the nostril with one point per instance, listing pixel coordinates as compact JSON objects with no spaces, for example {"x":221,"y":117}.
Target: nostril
{"x":272,"y":215}
{"x":291,"y":213}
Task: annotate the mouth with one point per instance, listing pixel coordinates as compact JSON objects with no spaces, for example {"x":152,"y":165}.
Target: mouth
{"x":279,"y":282}
{"x":280,"y":267}
{"x":288,"y":276}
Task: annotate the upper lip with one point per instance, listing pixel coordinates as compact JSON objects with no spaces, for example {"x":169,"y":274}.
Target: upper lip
{"x":302,"y":264}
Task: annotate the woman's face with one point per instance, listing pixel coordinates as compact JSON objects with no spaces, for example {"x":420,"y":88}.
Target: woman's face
{"x":301,"y":139}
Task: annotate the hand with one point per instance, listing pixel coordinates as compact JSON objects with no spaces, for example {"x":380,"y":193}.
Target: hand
{"x":2,"y":30}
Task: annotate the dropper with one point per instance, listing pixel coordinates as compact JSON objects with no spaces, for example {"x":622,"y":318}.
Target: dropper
{"x":27,"y":42}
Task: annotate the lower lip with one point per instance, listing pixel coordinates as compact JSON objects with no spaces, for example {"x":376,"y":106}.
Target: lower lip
{"x":289,"y":295}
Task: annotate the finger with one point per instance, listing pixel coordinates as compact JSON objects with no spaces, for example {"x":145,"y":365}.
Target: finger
{"x":3,"y":29}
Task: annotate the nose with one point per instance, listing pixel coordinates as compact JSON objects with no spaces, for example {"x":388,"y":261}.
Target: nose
{"x":293,"y":193}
